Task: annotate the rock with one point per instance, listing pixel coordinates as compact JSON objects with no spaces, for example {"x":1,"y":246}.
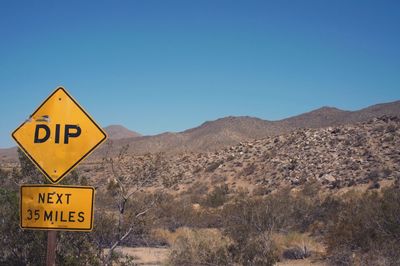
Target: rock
{"x":295,"y":253}
{"x":374,"y":185}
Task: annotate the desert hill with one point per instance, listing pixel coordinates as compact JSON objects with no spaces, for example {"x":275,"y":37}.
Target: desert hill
{"x":227,"y":131}
{"x":331,"y":116}
{"x":8,"y":155}
{"x":364,"y":153}
{"x":119,"y":132}
{"x":213,"y":135}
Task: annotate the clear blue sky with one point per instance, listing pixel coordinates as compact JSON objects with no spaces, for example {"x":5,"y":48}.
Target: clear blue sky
{"x":156,"y":66}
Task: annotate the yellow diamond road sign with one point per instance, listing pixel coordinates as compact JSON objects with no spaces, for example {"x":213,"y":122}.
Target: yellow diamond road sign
{"x":56,"y":207}
{"x":58,"y":135}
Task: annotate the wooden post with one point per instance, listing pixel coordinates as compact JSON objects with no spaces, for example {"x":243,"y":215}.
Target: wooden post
{"x":51,"y":248}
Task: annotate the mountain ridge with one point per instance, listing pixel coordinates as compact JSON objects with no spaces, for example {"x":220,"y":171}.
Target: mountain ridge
{"x":120,"y":132}
{"x":230,"y":130}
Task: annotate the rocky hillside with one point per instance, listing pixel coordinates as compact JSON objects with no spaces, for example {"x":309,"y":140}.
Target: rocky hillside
{"x":336,"y":157}
{"x":214,"y":135}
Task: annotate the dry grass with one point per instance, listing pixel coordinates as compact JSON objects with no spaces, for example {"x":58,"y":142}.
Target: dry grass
{"x":195,"y":246}
{"x":171,"y":237}
{"x":297,"y":239}
{"x":301,"y":241}
{"x":305,"y":262}
{"x":145,"y":256}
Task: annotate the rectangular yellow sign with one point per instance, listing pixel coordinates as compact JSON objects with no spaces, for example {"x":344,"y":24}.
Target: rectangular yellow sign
{"x":56,"y":207}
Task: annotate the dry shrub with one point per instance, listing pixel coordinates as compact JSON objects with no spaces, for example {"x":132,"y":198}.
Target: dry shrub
{"x":296,"y":245}
{"x":367,"y":225}
{"x":248,"y":222}
{"x":199,"y":247}
{"x":169,"y":236}
{"x":258,"y":250}
{"x":217,"y":197}
{"x":213,"y":166}
{"x":174,"y":213}
{"x":261,"y":191}
{"x":248,"y":170}
{"x":196,"y":192}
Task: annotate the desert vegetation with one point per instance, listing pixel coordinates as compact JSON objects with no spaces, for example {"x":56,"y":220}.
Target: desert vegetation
{"x":224,"y":227}
{"x":335,"y":200}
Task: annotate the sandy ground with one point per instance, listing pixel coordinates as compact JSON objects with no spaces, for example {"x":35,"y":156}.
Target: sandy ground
{"x":146,"y":256}
{"x":156,"y":256}
{"x":305,"y":262}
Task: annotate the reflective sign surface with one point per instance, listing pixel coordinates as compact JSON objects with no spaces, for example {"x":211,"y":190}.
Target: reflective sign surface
{"x":58,"y":135}
{"x":56,"y":207}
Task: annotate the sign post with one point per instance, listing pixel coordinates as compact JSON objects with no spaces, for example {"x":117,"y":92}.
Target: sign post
{"x":51,"y":248}
{"x":57,"y":137}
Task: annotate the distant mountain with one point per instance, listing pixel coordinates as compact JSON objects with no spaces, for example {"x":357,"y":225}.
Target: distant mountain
{"x":330,"y":116}
{"x":227,"y":131}
{"x":322,"y":117}
{"x":119,"y":132}
{"x":8,"y":155}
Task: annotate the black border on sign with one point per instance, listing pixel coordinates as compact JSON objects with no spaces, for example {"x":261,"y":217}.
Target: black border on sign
{"x":78,"y":161}
{"x":56,"y":228}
